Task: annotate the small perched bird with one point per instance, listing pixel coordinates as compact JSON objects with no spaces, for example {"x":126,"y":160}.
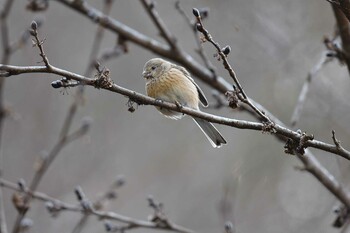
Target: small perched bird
{"x":172,"y":83}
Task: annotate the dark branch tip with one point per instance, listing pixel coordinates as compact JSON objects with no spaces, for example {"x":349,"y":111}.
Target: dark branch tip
{"x":195,"y":12}
{"x":226,"y":50}
{"x":108,"y":226}
{"x":79,"y":193}
{"x":34,"y":25}
{"x":228,"y":227}
{"x":21,"y":184}
{"x":57,"y":84}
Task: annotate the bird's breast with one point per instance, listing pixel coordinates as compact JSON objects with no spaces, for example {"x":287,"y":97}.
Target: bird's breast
{"x":173,"y":86}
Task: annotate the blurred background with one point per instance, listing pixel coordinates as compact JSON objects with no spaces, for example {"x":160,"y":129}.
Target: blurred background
{"x":250,"y":181}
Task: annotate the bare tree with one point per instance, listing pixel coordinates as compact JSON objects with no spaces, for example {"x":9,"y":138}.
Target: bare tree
{"x":230,"y":94}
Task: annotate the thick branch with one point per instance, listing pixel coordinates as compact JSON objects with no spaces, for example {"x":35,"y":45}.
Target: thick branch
{"x":313,"y":166}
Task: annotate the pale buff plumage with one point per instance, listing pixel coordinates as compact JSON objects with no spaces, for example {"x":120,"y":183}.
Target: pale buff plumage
{"x":169,"y":82}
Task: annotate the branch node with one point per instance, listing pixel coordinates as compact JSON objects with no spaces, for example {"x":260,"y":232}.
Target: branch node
{"x":268,"y":127}
{"x":232,"y":98}
{"x":158,"y":217}
{"x":84,"y":202}
{"x":298,"y":146}
{"x":102,"y":78}
{"x":54,"y":208}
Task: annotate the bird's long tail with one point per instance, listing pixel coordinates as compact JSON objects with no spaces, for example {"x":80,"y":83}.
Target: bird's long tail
{"x":213,"y":135}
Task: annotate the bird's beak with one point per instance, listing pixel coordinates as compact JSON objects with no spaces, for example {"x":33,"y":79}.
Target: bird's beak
{"x":146,"y":74}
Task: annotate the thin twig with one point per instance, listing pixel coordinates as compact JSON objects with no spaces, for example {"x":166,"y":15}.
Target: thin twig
{"x":39,"y":43}
{"x":164,"y":31}
{"x":45,"y":164}
{"x":80,"y":91}
{"x":223,"y":52}
{"x":23,"y":38}
{"x":101,"y":215}
{"x":343,"y":25}
{"x":304,"y":90}
{"x":107,"y":7}
{"x":200,"y":49}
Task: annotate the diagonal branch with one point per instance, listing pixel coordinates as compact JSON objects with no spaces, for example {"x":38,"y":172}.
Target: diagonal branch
{"x":304,"y":90}
{"x":164,"y":31}
{"x":343,"y":25}
{"x":45,"y":164}
{"x":223,"y":52}
{"x":200,"y":49}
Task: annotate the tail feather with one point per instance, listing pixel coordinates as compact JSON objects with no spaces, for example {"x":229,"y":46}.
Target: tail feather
{"x":212,"y":134}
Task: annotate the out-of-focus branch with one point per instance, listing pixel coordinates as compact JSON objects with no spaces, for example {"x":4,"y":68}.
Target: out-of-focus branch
{"x":63,"y":140}
{"x":200,"y":49}
{"x":312,"y":165}
{"x":343,"y":5}
{"x":304,"y":90}
{"x":107,"y":6}
{"x":4,"y":60}
{"x":164,"y":31}
{"x":100,"y":202}
{"x":54,"y":204}
{"x":343,"y":25}
{"x":44,"y":164}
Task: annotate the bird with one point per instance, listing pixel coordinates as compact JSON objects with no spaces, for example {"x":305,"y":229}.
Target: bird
{"x":169,"y":82}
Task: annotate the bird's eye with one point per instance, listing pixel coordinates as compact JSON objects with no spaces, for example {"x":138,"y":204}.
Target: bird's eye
{"x":153,"y":67}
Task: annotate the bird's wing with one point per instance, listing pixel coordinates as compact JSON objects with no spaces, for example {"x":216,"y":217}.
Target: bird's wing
{"x":201,"y":95}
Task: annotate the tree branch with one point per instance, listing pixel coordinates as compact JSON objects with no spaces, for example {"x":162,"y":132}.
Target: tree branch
{"x":279,"y":130}
{"x":5,"y":59}
{"x":164,"y":31}
{"x":304,"y":90}
{"x":343,"y":25}
{"x":58,"y":205}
